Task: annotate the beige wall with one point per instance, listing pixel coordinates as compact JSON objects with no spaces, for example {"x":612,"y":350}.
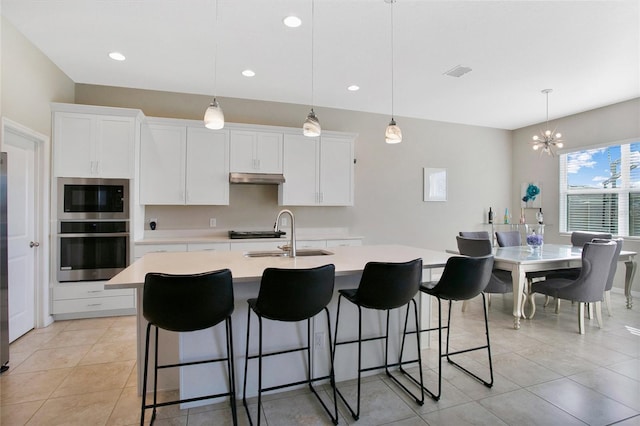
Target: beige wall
{"x":30,"y":81}
{"x":388,"y":182}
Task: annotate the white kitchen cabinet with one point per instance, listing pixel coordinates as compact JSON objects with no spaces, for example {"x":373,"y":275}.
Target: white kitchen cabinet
{"x":208,"y":247}
{"x":182,"y":164}
{"x":85,"y":299}
{"x":344,"y":243}
{"x":318,"y":171}
{"x":141,"y":249}
{"x":93,"y":145}
{"x":256,"y":152}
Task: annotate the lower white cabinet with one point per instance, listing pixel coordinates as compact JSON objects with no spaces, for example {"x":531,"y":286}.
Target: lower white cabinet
{"x":142,"y":249}
{"x":208,"y":247}
{"x":91,"y":297}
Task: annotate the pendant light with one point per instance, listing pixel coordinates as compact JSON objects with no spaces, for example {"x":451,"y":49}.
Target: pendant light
{"x":213,"y":116}
{"x":311,"y":126}
{"x":548,"y":140}
{"x":393,"y":134}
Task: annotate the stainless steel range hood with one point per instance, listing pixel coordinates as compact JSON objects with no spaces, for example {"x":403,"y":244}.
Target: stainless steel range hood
{"x":257,"y":178}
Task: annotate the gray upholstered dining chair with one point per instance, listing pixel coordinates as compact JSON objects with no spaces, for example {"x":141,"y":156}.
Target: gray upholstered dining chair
{"x":475,"y":234}
{"x":578,"y":239}
{"x":508,"y":238}
{"x":612,"y":271}
{"x":589,"y":287}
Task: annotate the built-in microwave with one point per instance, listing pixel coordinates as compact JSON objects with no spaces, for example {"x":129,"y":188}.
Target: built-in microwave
{"x":93,"y":198}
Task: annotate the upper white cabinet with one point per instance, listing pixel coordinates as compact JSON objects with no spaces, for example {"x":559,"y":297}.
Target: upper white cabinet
{"x":318,"y":171}
{"x":90,"y":142}
{"x":183,"y":164}
{"x":256,"y":152}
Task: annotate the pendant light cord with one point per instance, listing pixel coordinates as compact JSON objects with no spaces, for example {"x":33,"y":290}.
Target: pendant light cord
{"x":312,"y":29}
{"x":215,"y":56}
{"x":392,"y":77}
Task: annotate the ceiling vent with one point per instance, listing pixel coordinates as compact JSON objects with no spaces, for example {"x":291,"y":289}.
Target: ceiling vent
{"x":457,"y":71}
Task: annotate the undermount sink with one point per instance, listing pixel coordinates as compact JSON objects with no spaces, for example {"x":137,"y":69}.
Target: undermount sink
{"x":280,"y":253}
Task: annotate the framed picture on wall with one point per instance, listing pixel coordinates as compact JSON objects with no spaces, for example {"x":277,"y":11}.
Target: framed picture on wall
{"x":435,"y":184}
{"x":531,"y":195}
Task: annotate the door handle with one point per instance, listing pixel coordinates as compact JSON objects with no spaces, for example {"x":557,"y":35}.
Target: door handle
{"x":33,"y":244}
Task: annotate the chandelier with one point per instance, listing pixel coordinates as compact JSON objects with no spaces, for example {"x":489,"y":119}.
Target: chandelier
{"x":547,"y":140}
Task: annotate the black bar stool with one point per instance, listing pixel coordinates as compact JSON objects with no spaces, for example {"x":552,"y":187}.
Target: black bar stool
{"x":384,"y":286}
{"x":292,"y":295}
{"x":187,"y":303}
{"x":463,"y":279}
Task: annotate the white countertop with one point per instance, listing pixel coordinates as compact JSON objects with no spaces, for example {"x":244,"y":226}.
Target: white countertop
{"x":347,"y":260}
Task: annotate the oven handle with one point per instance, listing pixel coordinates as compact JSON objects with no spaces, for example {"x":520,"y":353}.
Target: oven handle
{"x":100,"y":234}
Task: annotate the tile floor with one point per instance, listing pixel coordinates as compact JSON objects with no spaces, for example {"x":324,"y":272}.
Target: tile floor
{"x":82,"y":372}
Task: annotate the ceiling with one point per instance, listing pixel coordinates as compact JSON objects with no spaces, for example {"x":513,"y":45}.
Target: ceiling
{"x":588,"y":52}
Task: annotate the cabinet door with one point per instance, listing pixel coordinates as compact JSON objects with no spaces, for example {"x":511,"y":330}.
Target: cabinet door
{"x":269,"y":152}
{"x":207,"y":166}
{"x":162,"y":164}
{"x":74,"y":141}
{"x":256,"y":152}
{"x":115,"y":140}
{"x":336,"y":171}
{"x":242,"y":152}
{"x":300,"y":171}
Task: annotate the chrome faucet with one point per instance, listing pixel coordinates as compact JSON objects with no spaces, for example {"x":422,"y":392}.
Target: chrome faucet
{"x":276,"y":226}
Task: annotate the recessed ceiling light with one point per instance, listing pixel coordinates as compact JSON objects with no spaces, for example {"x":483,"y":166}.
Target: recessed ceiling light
{"x":353,"y":88}
{"x":117,"y":56}
{"x":292,"y":21}
{"x":248,"y":73}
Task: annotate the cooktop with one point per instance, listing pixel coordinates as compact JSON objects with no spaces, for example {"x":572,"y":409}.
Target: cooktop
{"x":255,"y":234}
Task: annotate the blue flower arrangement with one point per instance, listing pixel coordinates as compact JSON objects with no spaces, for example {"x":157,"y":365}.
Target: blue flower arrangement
{"x":534,"y":240}
{"x":531,"y":193}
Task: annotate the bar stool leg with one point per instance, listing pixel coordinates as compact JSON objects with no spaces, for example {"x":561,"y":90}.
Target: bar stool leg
{"x":246,"y":366}
{"x":155,"y":379}
{"x":354,"y":414}
{"x":144,"y":374}
{"x":230,"y":366}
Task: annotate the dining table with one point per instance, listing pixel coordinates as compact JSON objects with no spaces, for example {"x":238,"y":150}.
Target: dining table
{"x":520,"y":260}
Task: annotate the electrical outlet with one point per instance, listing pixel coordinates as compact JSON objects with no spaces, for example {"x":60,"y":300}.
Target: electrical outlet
{"x":319,"y":340}
{"x":212,"y":222}
{"x":284,"y":221}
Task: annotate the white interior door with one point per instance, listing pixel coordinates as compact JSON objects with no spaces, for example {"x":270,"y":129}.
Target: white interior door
{"x":21,"y":155}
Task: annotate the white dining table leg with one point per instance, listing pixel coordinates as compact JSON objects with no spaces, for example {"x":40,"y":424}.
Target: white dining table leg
{"x":630,"y":272}
{"x":518,"y":278}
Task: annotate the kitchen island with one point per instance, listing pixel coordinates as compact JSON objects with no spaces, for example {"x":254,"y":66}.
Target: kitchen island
{"x":247,"y":272}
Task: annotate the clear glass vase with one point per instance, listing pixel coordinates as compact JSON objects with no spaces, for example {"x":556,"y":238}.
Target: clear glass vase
{"x":535,"y":236}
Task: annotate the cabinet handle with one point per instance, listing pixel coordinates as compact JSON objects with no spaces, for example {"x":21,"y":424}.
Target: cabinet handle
{"x":94,"y":291}
{"x":94,"y":304}
{"x":258,"y":164}
{"x":322,"y":197}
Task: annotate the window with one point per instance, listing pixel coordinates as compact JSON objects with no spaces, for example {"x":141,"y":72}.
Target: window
{"x":600,"y":190}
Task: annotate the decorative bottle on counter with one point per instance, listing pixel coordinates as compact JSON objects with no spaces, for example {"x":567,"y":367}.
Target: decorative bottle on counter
{"x":523,"y":219}
{"x":506,"y":216}
{"x":539,"y":216}
{"x":490,"y":215}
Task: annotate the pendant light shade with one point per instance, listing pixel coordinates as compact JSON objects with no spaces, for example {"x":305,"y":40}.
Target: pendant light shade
{"x":213,"y":116}
{"x":393,"y":134}
{"x":311,"y":126}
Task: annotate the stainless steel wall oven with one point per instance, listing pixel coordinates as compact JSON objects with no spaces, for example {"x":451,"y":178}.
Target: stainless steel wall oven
{"x":92,"y":250}
{"x":93,"y":228}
